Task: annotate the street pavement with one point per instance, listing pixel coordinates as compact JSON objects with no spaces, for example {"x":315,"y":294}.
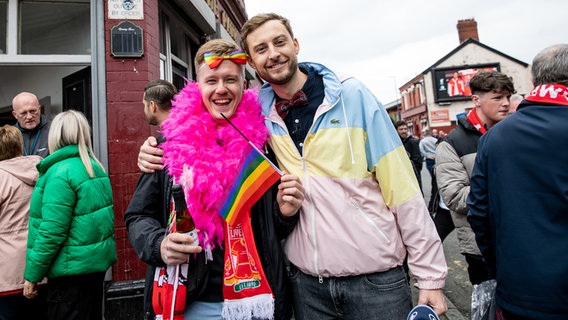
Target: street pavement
{"x":458,"y":287}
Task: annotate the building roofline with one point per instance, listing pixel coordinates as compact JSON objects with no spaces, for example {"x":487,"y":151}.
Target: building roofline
{"x":475,"y":42}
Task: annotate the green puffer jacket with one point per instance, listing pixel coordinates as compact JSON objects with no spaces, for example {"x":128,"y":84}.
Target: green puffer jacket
{"x":71,"y":227}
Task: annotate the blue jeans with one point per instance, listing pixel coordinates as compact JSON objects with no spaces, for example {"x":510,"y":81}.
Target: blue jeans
{"x":199,"y":310}
{"x":376,"y":296}
{"x":430,"y":166}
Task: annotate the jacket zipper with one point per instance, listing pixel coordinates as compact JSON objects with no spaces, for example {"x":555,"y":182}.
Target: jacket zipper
{"x":307,"y":187}
{"x":373,"y":224}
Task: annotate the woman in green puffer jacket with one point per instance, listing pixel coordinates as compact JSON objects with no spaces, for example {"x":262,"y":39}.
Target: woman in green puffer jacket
{"x":71,"y":227}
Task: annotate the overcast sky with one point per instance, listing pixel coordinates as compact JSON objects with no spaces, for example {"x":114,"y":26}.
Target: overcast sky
{"x":385,"y":43}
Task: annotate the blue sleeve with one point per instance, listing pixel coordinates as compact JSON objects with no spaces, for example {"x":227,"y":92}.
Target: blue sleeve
{"x":478,"y":203}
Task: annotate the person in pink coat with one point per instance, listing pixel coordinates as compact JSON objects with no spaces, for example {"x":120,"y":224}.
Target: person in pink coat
{"x":18,"y":175}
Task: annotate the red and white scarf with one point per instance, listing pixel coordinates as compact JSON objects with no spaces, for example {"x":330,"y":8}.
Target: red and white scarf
{"x":549,"y":93}
{"x":473,"y":118}
{"x":202,"y":154}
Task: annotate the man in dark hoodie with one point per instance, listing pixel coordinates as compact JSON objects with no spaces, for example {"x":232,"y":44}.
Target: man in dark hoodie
{"x":34,"y":126}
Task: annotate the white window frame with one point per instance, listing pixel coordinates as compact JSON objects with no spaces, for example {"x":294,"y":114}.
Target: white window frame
{"x":169,"y":15}
{"x":12,"y":57}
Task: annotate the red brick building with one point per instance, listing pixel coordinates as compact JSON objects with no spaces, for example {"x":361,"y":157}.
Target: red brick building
{"x":97,"y":56}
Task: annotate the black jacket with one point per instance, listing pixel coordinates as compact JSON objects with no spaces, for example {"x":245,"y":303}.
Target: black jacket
{"x":146,"y":218}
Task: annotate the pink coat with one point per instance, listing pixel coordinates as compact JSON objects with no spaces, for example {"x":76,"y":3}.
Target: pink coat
{"x":17,"y":180}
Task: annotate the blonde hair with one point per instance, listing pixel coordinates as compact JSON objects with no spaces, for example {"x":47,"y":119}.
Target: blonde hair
{"x":72,"y":128}
{"x":10,"y":142}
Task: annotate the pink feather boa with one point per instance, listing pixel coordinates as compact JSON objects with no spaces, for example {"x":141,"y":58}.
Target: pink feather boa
{"x":202,"y":153}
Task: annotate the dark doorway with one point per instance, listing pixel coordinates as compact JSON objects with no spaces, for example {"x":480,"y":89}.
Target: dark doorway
{"x":77,"y":92}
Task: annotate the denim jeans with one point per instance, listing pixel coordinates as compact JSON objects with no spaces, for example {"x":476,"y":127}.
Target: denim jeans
{"x":376,"y":296}
{"x":198,"y":310}
{"x":430,"y":166}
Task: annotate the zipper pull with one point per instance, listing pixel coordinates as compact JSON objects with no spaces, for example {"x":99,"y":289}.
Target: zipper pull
{"x":320,"y":279}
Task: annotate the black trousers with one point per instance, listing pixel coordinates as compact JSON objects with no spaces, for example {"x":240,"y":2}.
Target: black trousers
{"x":17,"y":307}
{"x":444,"y":223}
{"x":476,"y":269}
{"x":77,"y":297}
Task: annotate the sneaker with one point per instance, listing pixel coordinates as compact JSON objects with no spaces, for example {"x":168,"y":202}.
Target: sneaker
{"x":422,"y":312}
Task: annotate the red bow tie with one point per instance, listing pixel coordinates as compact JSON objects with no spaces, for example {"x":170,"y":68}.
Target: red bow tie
{"x":284,"y":106}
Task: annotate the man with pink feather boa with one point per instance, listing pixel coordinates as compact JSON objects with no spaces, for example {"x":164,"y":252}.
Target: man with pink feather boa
{"x":202,"y":152}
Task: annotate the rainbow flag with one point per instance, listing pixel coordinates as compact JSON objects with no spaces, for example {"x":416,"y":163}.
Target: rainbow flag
{"x":256,"y":175}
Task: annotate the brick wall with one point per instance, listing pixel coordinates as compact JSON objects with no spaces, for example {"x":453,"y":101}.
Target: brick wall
{"x":128,"y":128}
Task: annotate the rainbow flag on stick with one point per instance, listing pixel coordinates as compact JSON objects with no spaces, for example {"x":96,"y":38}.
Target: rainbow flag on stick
{"x":256,"y":175}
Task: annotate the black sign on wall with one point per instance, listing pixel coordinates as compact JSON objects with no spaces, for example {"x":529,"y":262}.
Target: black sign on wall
{"x":126,"y":40}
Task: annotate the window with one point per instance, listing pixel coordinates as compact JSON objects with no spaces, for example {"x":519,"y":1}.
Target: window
{"x":3,"y":25}
{"x":54,"y":28}
{"x":176,"y":42}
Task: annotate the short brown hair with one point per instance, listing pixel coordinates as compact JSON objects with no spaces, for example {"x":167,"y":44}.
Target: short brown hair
{"x":161,"y":92}
{"x":11,"y":142}
{"x":258,"y":20}
{"x":491,"y":81}
{"x":216,"y":46}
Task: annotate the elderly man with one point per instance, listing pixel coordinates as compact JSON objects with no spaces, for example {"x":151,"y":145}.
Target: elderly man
{"x":34,"y":126}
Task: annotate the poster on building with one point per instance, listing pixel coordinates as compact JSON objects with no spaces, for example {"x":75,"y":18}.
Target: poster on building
{"x":126,"y":9}
{"x":439,"y":116}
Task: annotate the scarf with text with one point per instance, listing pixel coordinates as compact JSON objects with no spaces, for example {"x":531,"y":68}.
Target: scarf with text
{"x":203,"y":154}
{"x":549,"y":93}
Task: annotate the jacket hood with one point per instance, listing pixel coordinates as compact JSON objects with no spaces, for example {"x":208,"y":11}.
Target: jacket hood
{"x":22,"y":168}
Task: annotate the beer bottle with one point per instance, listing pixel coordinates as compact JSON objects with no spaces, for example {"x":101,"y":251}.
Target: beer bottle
{"x":184,"y":221}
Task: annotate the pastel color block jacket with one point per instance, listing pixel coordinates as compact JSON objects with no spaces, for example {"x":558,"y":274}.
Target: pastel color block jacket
{"x":363,"y":209}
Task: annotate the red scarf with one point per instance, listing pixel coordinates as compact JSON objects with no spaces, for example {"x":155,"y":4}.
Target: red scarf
{"x":202,"y":154}
{"x":473,"y":118}
{"x":549,"y":93}
{"x":169,"y":289}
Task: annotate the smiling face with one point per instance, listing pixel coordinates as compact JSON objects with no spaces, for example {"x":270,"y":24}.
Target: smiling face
{"x":221,"y":88}
{"x":273,"y":52}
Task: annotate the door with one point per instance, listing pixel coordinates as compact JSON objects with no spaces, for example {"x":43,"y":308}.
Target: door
{"x":77,"y":93}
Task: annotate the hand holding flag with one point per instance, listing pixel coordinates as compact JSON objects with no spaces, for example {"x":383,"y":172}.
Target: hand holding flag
{"x":256,"y":175}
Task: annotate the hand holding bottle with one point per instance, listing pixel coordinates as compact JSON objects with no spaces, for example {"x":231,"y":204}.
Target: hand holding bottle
{"x":176,"y":246}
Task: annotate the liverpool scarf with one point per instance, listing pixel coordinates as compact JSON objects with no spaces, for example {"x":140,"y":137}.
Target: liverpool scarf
{"x":549,"y":93}
{"x":473,"y":118}
{"x":203,"y":155}
{"x":169,"y":288}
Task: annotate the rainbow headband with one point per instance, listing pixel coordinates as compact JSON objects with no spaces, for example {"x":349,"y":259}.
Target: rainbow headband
{"x":213,"y":60}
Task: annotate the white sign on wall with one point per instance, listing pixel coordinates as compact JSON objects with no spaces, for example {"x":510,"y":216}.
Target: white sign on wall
{"x":126,"y":9}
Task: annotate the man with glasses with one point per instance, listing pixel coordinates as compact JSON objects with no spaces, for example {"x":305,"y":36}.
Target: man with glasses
{"x":34,"y":126}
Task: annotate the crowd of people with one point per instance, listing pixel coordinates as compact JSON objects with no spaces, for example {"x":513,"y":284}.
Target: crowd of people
{"x":340,"y":233}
